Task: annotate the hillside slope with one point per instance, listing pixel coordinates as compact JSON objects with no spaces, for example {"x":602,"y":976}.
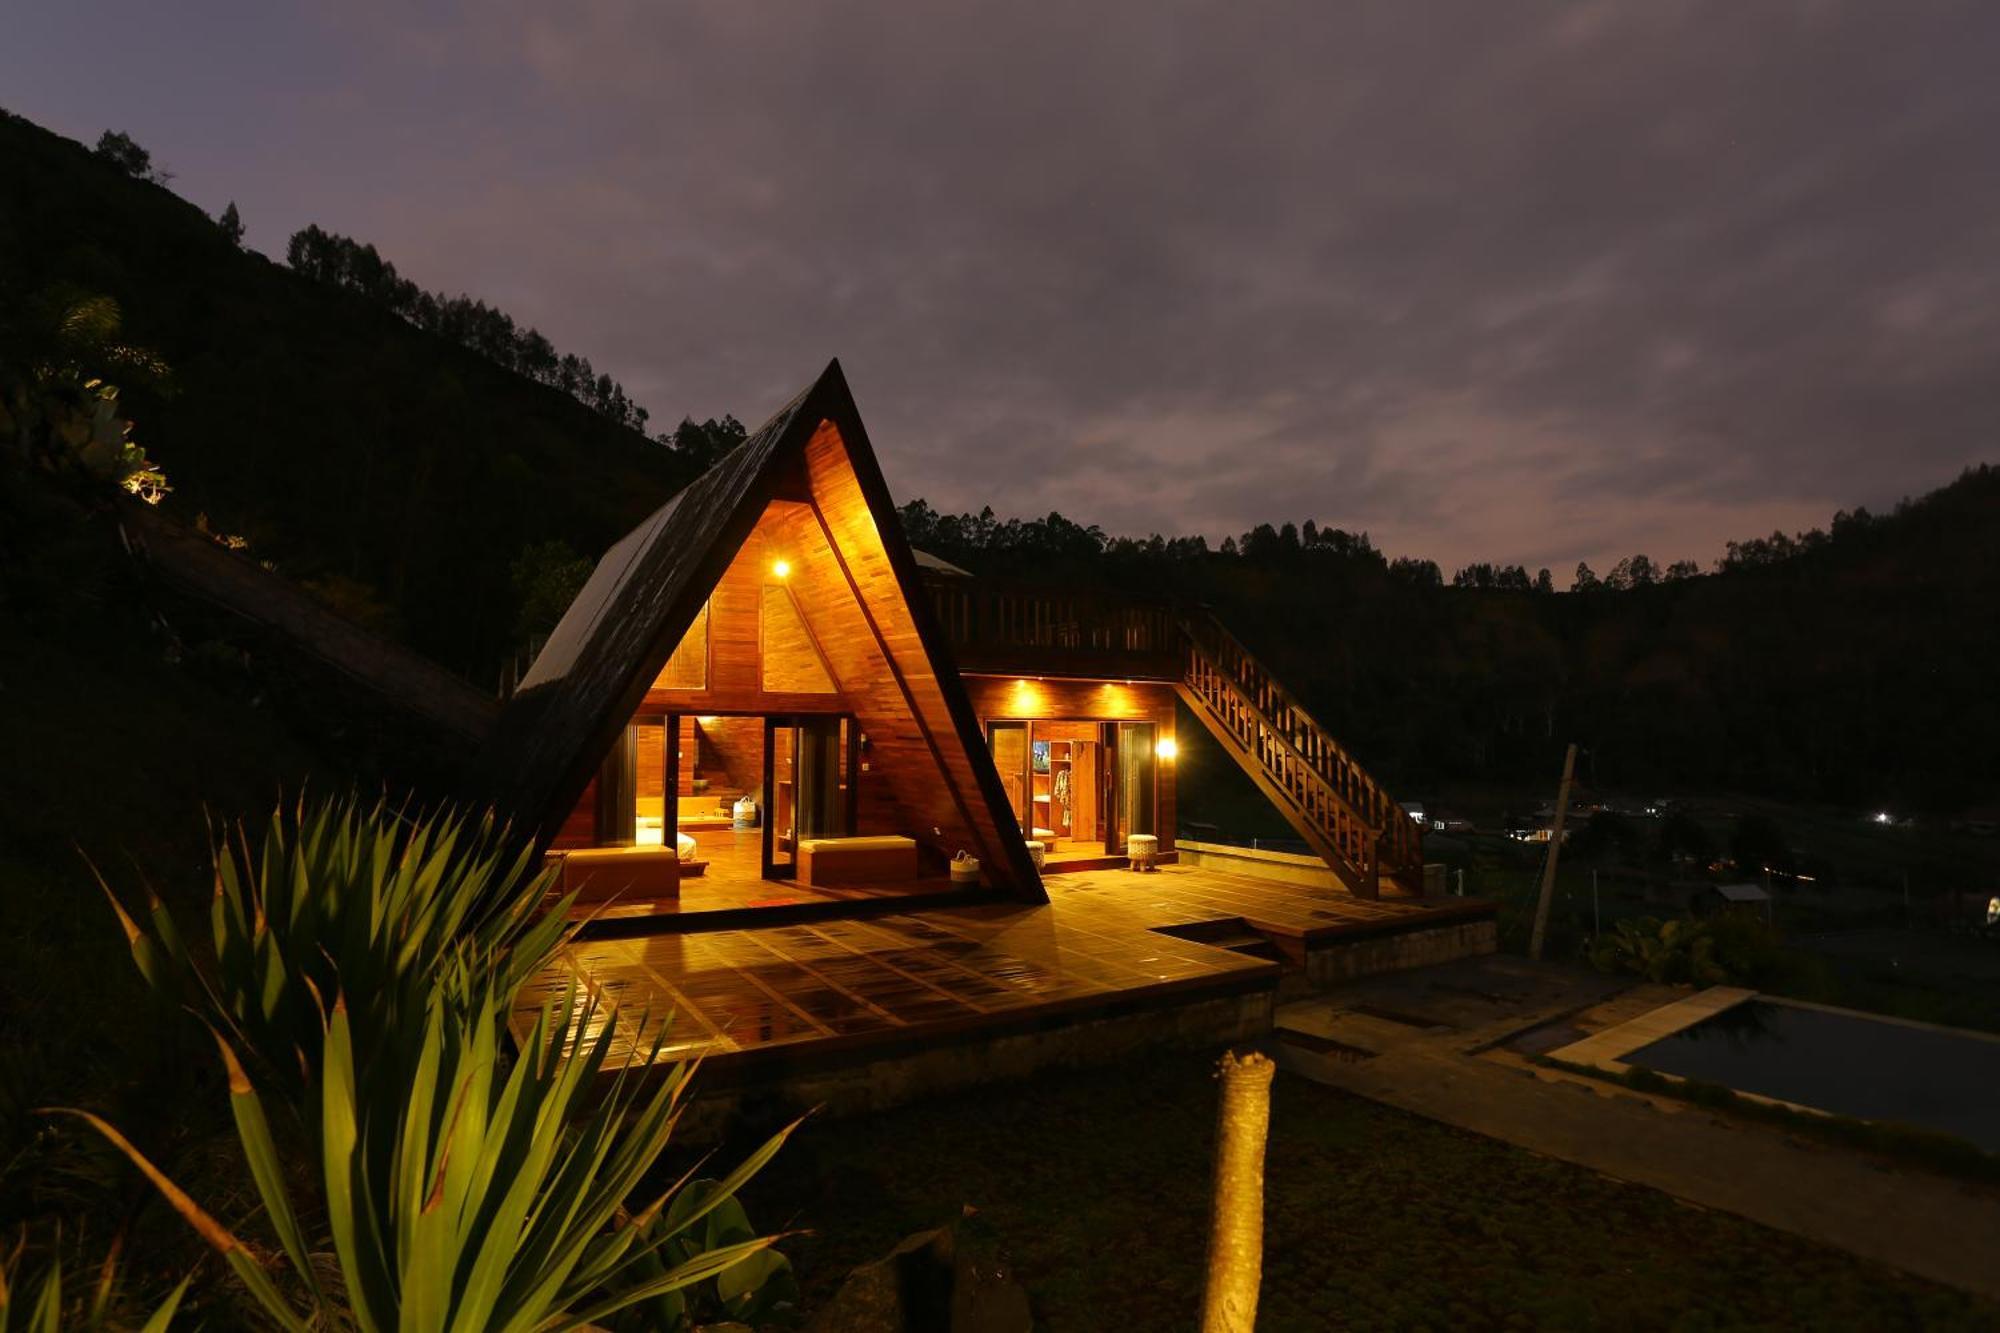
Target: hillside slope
{"x":396,"y":471}
{"x":1857,"y":671}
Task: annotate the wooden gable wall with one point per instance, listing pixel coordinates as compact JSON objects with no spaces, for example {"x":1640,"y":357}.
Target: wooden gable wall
{"x":882,"y":648}
{"x":859,"y":632}
{"x":737,"y":666}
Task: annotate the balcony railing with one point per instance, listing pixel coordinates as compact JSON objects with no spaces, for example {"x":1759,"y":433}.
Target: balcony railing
{"x":995,"y":625}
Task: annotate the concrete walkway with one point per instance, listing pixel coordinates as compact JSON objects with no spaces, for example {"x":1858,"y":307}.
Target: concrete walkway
{"x":1436,"y":1042}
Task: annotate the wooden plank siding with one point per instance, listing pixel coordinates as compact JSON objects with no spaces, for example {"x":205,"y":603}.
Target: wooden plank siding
{"x":804,"y":488}
{"x":857,"y":637}
{"x":1028,"y":698}
{"x":878,"y":650}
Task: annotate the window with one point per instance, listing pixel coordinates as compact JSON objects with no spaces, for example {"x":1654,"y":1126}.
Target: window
{"x":791,"y":660}
{"x":687,"y":669}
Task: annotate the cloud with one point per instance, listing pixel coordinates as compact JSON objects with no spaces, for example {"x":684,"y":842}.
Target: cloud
{"x":1533,"y":282}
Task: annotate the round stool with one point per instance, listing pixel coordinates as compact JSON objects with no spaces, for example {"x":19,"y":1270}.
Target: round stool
{"x":1038,"y":853}
{"x":1142,"y":848}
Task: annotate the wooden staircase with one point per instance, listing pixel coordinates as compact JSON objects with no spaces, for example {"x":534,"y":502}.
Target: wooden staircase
{"x":997,"y":627}
{"x":1343,"y":814}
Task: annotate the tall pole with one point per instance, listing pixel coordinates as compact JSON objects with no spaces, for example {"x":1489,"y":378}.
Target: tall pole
{"x":1555,"y":851}
{"x":1236,"y":1226}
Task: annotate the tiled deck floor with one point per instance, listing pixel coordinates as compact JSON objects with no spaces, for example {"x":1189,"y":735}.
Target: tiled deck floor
{"x":850,"y":982}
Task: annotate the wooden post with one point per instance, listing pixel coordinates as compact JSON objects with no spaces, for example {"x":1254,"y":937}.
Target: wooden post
{"x":1555,"y":851}
{"x":1236,"y":1227}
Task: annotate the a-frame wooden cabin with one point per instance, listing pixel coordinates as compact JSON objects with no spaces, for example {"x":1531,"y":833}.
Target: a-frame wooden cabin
{"x":761,"y":698}
{"x":749,"y":704}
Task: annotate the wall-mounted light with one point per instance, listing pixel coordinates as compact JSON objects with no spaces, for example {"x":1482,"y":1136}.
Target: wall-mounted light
{"x":782,"y":568}
{"x":1165,"y":747}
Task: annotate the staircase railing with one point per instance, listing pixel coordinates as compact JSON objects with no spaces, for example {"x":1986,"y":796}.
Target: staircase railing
{"x":1367,"y":834}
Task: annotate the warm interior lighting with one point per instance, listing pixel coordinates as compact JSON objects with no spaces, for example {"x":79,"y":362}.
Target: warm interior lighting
{"x":782,"y":568}
{"x":1166,"y":748}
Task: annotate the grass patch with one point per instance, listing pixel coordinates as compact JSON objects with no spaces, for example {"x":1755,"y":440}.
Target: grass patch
{"x":1096,"y":1185}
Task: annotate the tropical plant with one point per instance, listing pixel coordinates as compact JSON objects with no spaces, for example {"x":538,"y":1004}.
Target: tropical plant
{"x":1661,"y":951}
{"x":357,"y":901}
{"x":756,"y":1290}
{"x":56,"y":353}
{"x":470,"y":1194}
{"x":368,"y":963}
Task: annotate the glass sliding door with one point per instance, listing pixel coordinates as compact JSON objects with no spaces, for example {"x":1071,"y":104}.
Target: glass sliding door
{"x":820,"y":756}
{"x":1009,"y":741}
{"x":809,"y":789}
{"x":1129,"y":781}
{"x":652,"y":799}
{"x":617,"y":781}
{"x":781,"y":787}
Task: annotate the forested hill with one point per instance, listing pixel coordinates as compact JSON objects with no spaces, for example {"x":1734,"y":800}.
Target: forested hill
{"x":402,"y":475}
{"x":397,"y":473}
{"x":1851,"y":665}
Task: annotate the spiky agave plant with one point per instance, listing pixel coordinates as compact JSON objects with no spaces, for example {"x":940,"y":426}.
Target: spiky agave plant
{"x":359,"y":899}
{"x":473,"y":1195}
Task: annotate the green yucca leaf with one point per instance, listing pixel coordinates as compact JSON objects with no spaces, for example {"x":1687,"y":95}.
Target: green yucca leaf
{"x":698,"y":1269}
{"x":157,"y":1322}
{"x":244,"y":1264}
{"x":361,"y":899}
{"x":338,"y":1136}
{"x":266,"y":1164}
{"x":100,"y":1295}
{"x":159,"y":957}
{"x":370,"y":961}
{"x":46,"y":1317}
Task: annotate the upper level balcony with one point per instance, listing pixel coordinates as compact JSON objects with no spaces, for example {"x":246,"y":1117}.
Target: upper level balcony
{"x":1006,"y":628}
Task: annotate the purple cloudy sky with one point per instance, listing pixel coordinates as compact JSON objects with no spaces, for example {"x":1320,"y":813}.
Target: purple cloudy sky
{"x":1490,"y":281}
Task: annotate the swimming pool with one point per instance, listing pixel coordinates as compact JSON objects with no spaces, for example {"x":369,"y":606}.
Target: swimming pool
{"x":1841,"y":1061}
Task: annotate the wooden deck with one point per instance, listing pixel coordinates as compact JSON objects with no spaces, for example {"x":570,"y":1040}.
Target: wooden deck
{"x":764,"y":995}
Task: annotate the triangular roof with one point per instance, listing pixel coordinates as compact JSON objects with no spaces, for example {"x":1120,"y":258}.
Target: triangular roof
{"x":592,"y":675}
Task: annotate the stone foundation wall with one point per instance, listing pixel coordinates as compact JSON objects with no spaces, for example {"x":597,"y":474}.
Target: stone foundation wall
{"x":1351,"y":959}
{"x":973,"y":1060}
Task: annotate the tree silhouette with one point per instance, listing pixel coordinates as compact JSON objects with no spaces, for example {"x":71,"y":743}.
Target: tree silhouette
{"x":341,"y":261}
{"x":231,"y":223}
{"x":124,"y":152}
{"x":1634,"y":571}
